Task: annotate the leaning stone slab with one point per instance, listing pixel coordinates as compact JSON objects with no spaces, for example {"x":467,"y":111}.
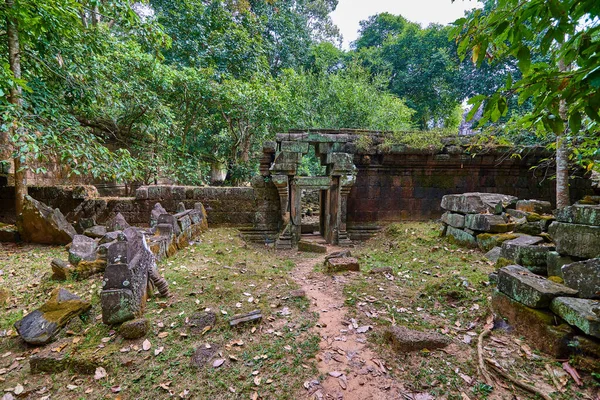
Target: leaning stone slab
{"x":39,"y":223}
{"x":476,"y":203}
{"x":95,"y":232}
{"x":461,"y":237}
{"x":583,"y":276}
{"x":541,"y":327}
{"x":83,"y":248}
{"x":532,"y":290}
{"x":453,"y":219}
{"x":156,"y":212}
{"x":61,"y":270}
{"x":494,"y":254}
{"x":576,"y":240}
{"x":41,"y":325}
{"x":510,"y":248}
{"x":488,"y":223}
{"x":582,"y":313}
{"x":579,"y":214}
{"x":535,"y":206}
{"x":304,"y":245}
{"x":405,"y":340}
{"x":117,"y":223}
{"x":342,"y":264}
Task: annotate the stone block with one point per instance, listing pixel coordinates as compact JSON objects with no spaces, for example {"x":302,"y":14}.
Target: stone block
{"x":494,"y":254}
{"x":583,"y":276}
{"x":555,"y":262}
{"x":488,"y":223}
{"x":154,"y":193}
{"x":39,"y":223}
{"x":576,"y":240}
{"x":453,"y":219}
{"x":9,"y":233}
{"x":95,"y":232}
{"x":510,"y":248}
{"x":529,"y":289}
{"x":117,"y":223}
{"x":51,"y":361}
{"x":42,"y":325}
{"x":134,"y":329}
{"x":405,"y":340}
{"x":342,"y":264}
{"x":535,"y":206}
{"x":542,"y":329}
{"x":83,"y":248}
{"x":579,"y":214}
{"x":305,"y":245}
{"x":476,"y":203}
{"x":582,"y":313}
{"x":141,"y":193}
{"x":156,"y":212}
{"x":461,"y":237}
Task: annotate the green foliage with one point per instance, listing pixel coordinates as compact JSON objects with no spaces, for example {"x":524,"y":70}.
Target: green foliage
{"x":566,"y":34}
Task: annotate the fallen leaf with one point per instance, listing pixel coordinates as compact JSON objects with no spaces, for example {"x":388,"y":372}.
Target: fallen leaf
{"x":165,"y":385}
{"x":115,"y":389}
{"x":146,"y":345}
{"x":72,"y":387}
{"x":336,"y":374}
{"x":100,"y":373}
{"x":18,"y":389}
{"x":218,"y":362}
{"x":257,"y":380}
{"x":158,"y":351}
{"x":163,"y":335}
{"x":363,"y":329}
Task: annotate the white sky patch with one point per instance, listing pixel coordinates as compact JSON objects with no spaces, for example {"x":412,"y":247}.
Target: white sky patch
{"x":349,"y":13}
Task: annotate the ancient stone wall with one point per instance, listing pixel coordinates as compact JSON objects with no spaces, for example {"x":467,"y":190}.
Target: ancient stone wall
{"x":405,"y":184}
{"x":225,"y":206}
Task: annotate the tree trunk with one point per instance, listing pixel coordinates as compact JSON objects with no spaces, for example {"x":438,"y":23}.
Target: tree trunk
{"x":562,"y":155}
{"x":14,"y":59}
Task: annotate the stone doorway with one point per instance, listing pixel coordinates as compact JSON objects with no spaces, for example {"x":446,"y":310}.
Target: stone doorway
{"x":334,"y":186}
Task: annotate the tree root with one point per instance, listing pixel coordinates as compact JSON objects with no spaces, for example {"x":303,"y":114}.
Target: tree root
{"x":482,"y":369}
{"x":516,"y":381}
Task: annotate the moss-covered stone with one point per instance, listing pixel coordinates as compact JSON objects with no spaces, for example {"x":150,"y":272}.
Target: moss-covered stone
{"x":503,"y":262}
{"x":460,"y":237}
{"x":582,"y":313}
{"x":576,"y":240}
{"x":70,"y":357}
{"x":542,"y":329}
{"x":487,"y":241}
{"x":134,"y":329}
{"x":530,"y":289}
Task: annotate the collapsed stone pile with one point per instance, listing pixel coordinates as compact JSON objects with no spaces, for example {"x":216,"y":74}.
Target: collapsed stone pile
{"x":127,"y":256}
{"x":549,"y":266}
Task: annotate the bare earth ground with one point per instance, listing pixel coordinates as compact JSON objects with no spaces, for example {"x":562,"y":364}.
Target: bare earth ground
{"x":304,"y":348}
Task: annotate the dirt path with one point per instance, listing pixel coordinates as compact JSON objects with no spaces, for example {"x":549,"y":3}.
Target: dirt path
{"x":352,"y":371}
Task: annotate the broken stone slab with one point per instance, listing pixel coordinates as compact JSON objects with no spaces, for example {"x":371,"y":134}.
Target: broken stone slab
{"x":39,"y":223}
{"x":200,"y":321}
{"x":41,"y":325}
{"x":405,"y":340}
{"x":487,"y":241}
{"x":579,"y":214}
{"x":534,"y":206}
{"x":476,"y":203}
{"x":534,"y":258}
{"x":581,"y":241}
{"x":494,"y":254}
{"x":203,"y":355}
{"x":134,"y":329}
{"x":342,"y":264}
{"x":117,"y":223}
{"x":312,"y":247}
{"x":156,"y":212}
{"x":95,"y":232}
{"x":582,"y":313}
{"x":540,"y":327}
{"x":83,"y":248}
{"x":453,"y":219}
{"x":252,"y":316}
{"x":461,"y":237}
{"x":555,"y":262}
{"x":510,"y":248}
{"x":338,"y":254}
{"x":584,"y":276}
{"x":532,"y":290}
{"x":488,"y":223}
{"x":530,"y":228}
{"x":180,"y":207}
{"x":61,"y":270}
{"x":64,"y":355}
{"x":109,"y":237}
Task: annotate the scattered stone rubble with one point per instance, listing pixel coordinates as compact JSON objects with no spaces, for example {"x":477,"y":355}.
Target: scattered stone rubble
{"x":39,"y":223}
{"x":548,"y":284}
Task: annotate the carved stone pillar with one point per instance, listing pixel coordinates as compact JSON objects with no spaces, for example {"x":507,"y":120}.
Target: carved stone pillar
{"x":346,"y":183}
{"x":281,"y":182}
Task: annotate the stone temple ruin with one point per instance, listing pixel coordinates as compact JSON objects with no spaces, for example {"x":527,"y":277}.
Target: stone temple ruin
{"x":366,"y":184}
{"x":548,"y":281}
